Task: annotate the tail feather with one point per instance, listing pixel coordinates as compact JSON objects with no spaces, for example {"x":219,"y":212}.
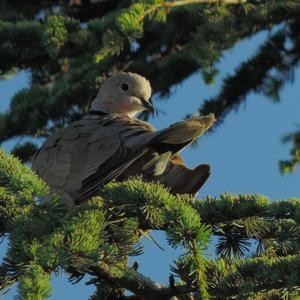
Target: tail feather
{"x":196,"y":179}
{"x":181,"y":180}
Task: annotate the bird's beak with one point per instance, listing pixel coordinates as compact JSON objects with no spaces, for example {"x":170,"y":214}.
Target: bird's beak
{"x":148,"y":106}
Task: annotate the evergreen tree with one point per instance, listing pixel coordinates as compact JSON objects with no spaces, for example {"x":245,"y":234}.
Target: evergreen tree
{"x":70,"y":47}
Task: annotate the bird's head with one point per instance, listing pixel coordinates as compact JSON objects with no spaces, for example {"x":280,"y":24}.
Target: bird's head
{"x":125,"y":94}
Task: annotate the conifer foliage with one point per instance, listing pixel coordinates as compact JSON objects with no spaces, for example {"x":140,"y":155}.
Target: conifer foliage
{"x":69,"y":48}
{"x":97,"y":238}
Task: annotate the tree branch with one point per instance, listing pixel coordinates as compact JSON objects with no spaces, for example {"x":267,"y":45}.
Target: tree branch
{"x":138,"y":284}
{"x":253,"y":75}
{"x":254,"y":276}
{"x":184,"y":3}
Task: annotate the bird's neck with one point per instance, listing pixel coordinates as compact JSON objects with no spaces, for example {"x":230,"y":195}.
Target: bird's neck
{"x":103,"y":107}
{"x":108,"y":108}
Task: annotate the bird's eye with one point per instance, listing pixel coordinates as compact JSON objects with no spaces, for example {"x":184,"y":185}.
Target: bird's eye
{"x":124,"y":86}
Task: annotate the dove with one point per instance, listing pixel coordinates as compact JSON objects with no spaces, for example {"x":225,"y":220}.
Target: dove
{"x":109,"y":143}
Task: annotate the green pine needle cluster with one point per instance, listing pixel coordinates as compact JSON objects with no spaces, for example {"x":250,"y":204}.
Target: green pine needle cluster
{"x":129,"y":26}
{"x":289,"y":166}
{"x":97,"y":237}
{"x":239,"y":221}
{"x":255,"y":278}
{"x":102,"y":233}
{"x":34,"y":284}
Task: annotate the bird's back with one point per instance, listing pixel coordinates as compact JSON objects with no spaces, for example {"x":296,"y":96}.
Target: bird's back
{"x":96,"y":148}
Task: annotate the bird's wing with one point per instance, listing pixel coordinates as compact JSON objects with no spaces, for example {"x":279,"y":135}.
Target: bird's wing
{"x":180,"y":134}
{"x":163,"y":146}
{"x":175,"y":137}
{"x":89,"y":153}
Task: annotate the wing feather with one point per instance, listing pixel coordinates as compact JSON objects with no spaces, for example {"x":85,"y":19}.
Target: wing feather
{"x":78,"y":159}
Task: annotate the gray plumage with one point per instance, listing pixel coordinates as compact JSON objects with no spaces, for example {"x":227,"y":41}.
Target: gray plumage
{"x":77,"y":160}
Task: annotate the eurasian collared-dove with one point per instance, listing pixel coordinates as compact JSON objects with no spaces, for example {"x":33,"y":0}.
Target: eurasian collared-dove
{"x":109,"y":143}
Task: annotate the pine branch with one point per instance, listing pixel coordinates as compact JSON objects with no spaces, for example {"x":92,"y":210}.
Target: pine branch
{"x":234,"y":219}
{"x":230,"y":207}
{"x":7,"y":278}
{"x":138,"y":284}
{"x":31,"y":44}
{"x":289,"y":166}
{"x":97,"y":237}
{"x":248,"y":77}
{"x":238,"y":219}
{"x":246,"y":278}
{"x":34,"y":283}
{"x":254,"y":75}
{"x":45,"y":237}
{"x":56,"y":83}
{"x":32,"y":36}
{"x":154,"y":7}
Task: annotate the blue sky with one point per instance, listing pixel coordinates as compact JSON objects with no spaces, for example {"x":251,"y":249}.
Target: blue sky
{"x":243,"y":152}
